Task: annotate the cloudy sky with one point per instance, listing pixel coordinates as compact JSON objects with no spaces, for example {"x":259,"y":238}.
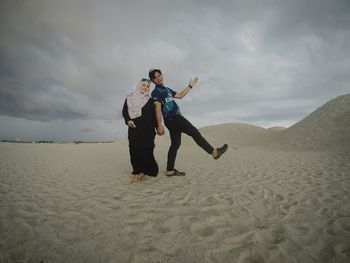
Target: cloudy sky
{"x":66,"y":66}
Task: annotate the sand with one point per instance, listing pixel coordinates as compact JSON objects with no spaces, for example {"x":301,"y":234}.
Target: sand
{"x":265,"y":200}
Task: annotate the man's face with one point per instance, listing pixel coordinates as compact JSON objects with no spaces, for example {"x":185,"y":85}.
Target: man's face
{"x":158,"y":79}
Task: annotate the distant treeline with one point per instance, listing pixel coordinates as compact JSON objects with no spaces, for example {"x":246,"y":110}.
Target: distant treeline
{"x":16,"y":141}
{"x":76,"y":142}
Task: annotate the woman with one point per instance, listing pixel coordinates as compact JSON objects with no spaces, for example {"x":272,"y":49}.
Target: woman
{"x":139,"y":116}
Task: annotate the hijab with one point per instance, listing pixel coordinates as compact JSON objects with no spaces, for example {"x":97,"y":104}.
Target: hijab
{"x":136,"y":100}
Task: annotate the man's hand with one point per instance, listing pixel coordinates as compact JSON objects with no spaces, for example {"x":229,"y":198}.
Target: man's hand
{"x":160,"y":130}
{"x":193,"y":81}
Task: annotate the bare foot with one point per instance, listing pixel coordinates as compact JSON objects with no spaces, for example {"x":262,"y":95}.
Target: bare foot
{"x":138,"y":178}
{"x":143,"y":177}
{"x":134,"y":178}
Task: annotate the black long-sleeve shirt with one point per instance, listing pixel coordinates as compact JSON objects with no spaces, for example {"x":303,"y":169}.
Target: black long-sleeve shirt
{"x":143,"y":135}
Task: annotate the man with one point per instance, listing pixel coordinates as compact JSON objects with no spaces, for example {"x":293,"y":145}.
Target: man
{"x":175,"y":122}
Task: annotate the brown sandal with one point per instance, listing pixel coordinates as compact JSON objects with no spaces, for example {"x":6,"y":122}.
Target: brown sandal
{"x":221,"y":151}
{"x":176,"y":173}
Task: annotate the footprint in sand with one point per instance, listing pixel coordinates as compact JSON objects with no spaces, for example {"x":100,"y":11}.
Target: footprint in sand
{"x":208,"y":201}
{"x":117,"y":197}
{"x":279,"y":198}
{"x":325,"y":211}
{"x":302,"y":229}
{"x":202,"y":230}
{"x":331,"y":230}
{"x":273,"y":236}
{"x":188,"y":199}
{"x":344,"y":224}
{"x":328,"y":200}
{"x":301,"y":211}
{"x":343,"y":213}
{"x":342,"y":251}
{"x":116,"y":207}
{"x":251,"y":192}
{"x":162,"y":229}
{"x":252,"y":255}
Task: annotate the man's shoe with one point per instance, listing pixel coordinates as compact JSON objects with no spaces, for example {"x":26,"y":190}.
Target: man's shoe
{"x":220,"y":151}
{"x":176,"y":173}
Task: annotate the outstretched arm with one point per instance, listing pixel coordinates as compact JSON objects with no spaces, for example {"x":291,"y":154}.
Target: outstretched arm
{"x":184,"y":92}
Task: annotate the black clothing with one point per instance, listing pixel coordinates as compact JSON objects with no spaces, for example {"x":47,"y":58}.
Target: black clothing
{"x":143,"y":135}
{"x":141,"y":140}
{"x":176,"y":125}
{"x":142,"y":161}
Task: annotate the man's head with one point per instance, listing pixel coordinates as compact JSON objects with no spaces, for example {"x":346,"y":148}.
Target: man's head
{"x":156,"y":76}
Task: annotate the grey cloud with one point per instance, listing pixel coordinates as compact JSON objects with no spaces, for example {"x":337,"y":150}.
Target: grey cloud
{"x":87,"y":130}
{"x":268,"y":62}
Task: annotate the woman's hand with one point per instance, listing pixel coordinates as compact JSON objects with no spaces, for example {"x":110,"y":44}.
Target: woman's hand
{"x":131,"y":124}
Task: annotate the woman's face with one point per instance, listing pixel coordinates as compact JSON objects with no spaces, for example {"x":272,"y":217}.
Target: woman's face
{"x":144,"y":87}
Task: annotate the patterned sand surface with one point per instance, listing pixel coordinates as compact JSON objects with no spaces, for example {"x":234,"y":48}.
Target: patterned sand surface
{"x":75,"y":203}
{"x":277,"y":195}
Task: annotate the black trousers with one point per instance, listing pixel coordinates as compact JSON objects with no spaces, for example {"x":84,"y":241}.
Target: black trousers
{"x":176,"y":125}
{"x":142,"y":161}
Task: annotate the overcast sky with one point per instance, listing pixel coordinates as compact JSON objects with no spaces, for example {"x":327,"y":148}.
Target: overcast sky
{"x":66,"y":66}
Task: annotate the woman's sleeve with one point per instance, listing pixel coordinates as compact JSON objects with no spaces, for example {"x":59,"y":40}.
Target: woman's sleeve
{"x":126,"y":113}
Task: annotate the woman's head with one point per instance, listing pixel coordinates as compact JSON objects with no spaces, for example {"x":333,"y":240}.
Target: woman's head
{"x":144,"y":85}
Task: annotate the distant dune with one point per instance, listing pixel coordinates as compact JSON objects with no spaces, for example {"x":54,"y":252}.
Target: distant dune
{"x":277,"y":128}
{"x":236,"y":134}
{"x":327,"y":127}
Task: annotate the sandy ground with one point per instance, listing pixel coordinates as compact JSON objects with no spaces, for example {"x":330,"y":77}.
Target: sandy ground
{"x":75,"y":203}
{"x":263,"y":201}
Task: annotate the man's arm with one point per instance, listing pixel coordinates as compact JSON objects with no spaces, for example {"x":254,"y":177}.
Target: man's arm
{"x":183,"y":93}
{"x":158,"y":110}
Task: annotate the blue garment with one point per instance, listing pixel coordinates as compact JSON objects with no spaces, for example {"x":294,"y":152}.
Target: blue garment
{"x":165,"y":96}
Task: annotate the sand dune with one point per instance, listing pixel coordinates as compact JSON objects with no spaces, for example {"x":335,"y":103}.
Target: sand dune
{"x":276,"y":129}
{"x":262,"y":202}
{"x":238,"y":134}
{"x":327,"y":127}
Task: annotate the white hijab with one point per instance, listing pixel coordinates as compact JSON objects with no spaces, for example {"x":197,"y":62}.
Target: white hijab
{"x":136,"y":100}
